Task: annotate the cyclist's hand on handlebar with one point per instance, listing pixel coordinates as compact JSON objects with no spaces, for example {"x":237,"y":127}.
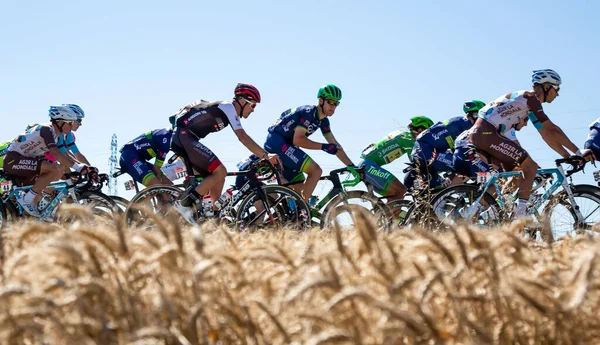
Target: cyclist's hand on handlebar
{"x":588,"y":155}
{"x":329,"y":148}
{"x":274,"y":159}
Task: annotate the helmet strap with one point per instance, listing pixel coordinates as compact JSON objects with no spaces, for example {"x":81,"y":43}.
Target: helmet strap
{"x":237,"y":100}
{"x":322,"y":106}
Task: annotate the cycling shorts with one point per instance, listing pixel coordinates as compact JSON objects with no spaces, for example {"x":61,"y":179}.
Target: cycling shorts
{"x":24,"y":170}
{"x":294,"y":160}
{"x":195,"y":155}
{"x":137,"y":168}
{"x":377,"y":176}
{"x":466,"y":163}
{"x":485,"y":137}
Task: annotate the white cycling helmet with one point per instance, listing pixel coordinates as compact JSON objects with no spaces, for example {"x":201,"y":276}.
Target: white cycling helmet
{"x":77,"y":109}
{"x":62,"y":112}
{"x":542,"y":76}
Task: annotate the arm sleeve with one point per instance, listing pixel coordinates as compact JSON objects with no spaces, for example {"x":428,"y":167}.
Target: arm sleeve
{"x":232,"y":116}
{"x":325,"y":128}
{"x":536,"y":114}
{"x":70,"y":142}
{"x":48,"y":137}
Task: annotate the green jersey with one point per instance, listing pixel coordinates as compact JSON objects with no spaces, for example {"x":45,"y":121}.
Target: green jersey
{"x":390,"y":148}
{"x":3,"y":149}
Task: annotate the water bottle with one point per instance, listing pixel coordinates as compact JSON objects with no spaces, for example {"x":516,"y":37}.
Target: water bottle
{"x":312,"y":201}
{"x":292,"y":204}
{"x":207,"y":206}
{"x":224,"y":198}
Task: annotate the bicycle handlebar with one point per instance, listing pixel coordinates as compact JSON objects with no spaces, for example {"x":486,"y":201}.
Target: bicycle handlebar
{"x":577,"y":162}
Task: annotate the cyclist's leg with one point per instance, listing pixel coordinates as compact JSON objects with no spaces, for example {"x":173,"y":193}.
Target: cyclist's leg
{"x":203,"y":161}
{"x":137,"y":168}
{"x":29,"y":171}
{"x":295,"y":162}
{"x":383,"y":181}
{"x":508,"y":153}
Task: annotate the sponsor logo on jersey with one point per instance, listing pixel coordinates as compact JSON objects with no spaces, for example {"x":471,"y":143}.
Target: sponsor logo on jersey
{"x":388,"y":149}
{"x":378,"y":173}
{"x":438,"y":135}
{"x":141,"y":146}
{"x":195,"y":115}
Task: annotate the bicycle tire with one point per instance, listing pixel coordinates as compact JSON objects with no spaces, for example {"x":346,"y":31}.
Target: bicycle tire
{"x":589,"y":192}
{"x":448,"y":206}
{"x":3,"y":216}
{"x":122,"y":203}
{"x":284,"y":215}
{"x":398,"y":210}
{"x":135,"y":216}
{"x":102,"y":204}
{"x":333,"y":210}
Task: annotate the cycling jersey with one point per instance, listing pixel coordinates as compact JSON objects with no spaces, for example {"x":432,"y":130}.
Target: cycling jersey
{"x":441,"y":135}
{"x":390,"y":148}
{"x":3,"y":150}
{"x":152,"y":144}
{"x":202,"y":118}
{"x":36,"y":142}
{"x":195,"y":121}
{"x":593,"y":139}
{"x":306,"y":117}
{"x":64,"y":142}
{"x":24,"y":157}
{"x":508,"y":110}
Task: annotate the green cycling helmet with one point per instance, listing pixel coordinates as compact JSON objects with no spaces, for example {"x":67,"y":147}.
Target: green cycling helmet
{"x":330,"y":91}
{"x":420,"y":121}
{"x":472,"y":106}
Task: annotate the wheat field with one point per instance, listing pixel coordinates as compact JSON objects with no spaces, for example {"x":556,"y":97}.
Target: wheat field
{"x":84,"y":283}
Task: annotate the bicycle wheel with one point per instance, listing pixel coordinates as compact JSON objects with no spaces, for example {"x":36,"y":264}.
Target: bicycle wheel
{"x":398,"y":210}
{"x":154,"y":199}
{"x":561,"y":214}
{"x":283,"y":209}
{"x":100,"y":203}
{"x":122,"y":203}
{"x":343,"y":207}
{"x":3,"y":215}
{"x":455,"y":205}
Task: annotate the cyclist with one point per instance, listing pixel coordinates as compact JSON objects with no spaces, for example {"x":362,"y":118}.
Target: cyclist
{"x":136,"y":154}
{"x":592,"y":143}
{"x":66,"y":143}
{"x":197,"y":120}
{"x":289,"y":135}
{"x":430,"y":151}
{"x":494,"y":130}
{"x":26,"y":163}
{"x":387,"y":150}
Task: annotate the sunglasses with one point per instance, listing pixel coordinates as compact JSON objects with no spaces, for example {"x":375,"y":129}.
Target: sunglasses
{"x":79,"y":121}
{"x":556,"y":87}
{"x":252,"y":103}
{"x":332,"y":102}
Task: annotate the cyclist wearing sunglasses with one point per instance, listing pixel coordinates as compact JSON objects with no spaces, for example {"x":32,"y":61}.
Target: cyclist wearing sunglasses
{"x":26,"y":163}
{"x":289,"y":134}
{"x":494,"y":130}
{"x":432,"y":153}
{"x":387,"y":150}
{"x":197,"y":120}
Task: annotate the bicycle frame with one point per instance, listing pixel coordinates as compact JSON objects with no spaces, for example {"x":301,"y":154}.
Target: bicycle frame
{"x":559,"y":181}
{"x":63,"y":189}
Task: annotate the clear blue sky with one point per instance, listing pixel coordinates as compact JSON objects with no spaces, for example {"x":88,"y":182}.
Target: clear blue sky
{"x":130,"y":64}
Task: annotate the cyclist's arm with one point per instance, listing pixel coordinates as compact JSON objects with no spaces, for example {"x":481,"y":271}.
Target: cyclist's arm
{"x":557,"y":139}
{"x":62,"y":158}
{"x":245,"y":139}
{"x":80,"y":157}
{"x":301,"y":140}
{"x":341,"y":154}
